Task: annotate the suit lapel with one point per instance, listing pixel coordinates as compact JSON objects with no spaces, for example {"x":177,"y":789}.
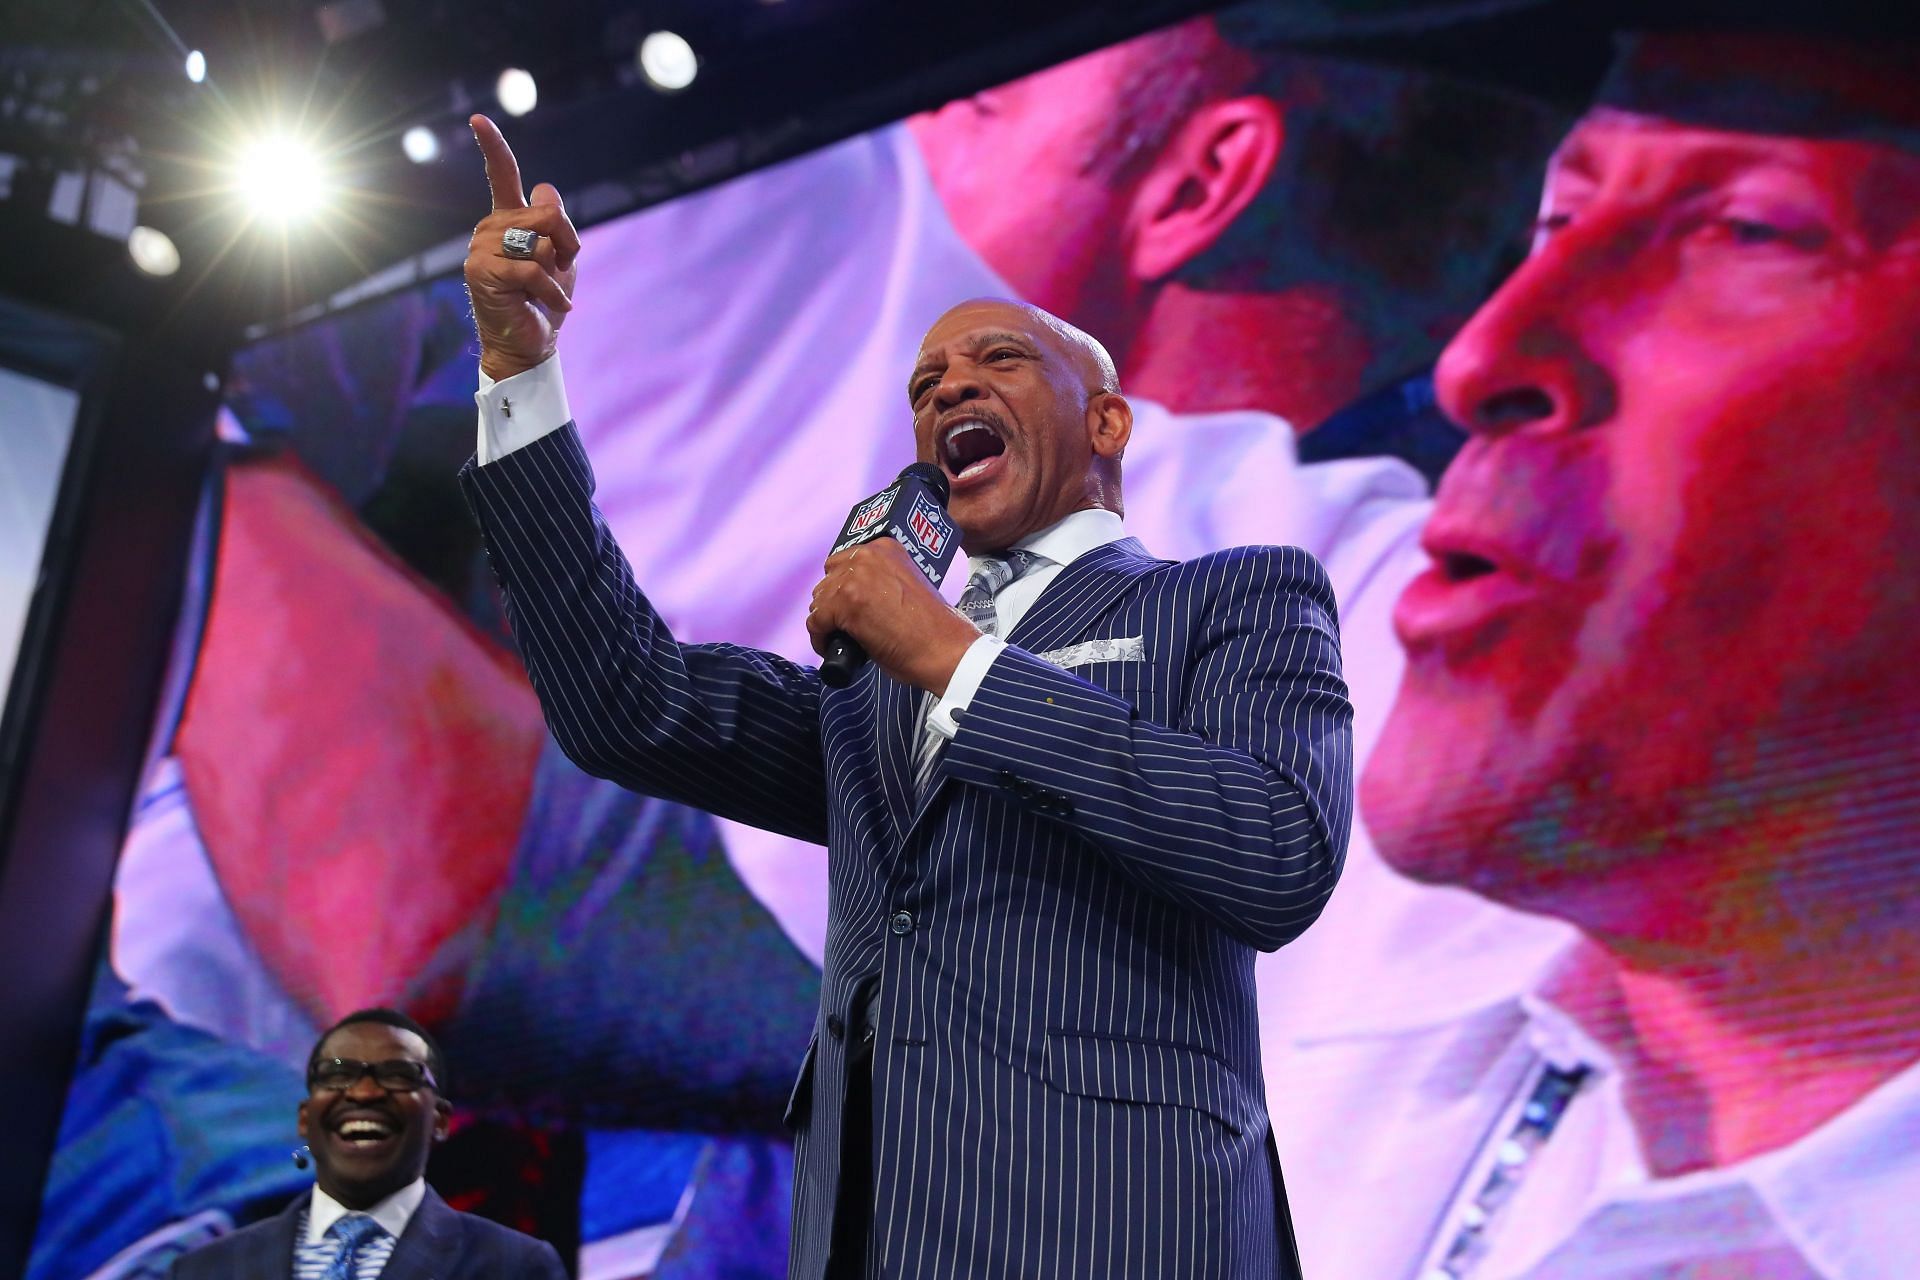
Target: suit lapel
{"x":272,"y":1251}
{"x":429,"y":1246}
{"x":1084,"y":590}
{"x":1065,"y":611}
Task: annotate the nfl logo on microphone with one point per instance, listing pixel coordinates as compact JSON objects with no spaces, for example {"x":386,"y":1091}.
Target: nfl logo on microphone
{"x":870,"y":512}
{"x":929,"y":526}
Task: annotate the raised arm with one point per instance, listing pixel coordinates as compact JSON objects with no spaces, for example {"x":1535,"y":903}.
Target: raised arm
{"x":725,"y":729}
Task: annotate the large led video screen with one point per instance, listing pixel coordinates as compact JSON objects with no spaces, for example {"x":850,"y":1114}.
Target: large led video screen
{"x":1603,"y":423}
{"x":39,"y":419}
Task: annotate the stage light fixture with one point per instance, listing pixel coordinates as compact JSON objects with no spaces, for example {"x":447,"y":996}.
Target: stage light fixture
{"x":281,"y":178}
{"x":421,"y":144}
{"x":153,"y":251}
{"x":516,"y":91}
{"x":196,"y":66}
{"x":668,"y":61}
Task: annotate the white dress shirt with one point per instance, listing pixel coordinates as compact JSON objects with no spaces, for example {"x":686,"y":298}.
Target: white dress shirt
{"x":1386,"y":1126}
{"x":392,"y":1213}
{"x":516,"y":411}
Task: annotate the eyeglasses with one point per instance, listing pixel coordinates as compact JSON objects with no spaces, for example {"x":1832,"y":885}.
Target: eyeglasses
{"x":395,"y":1075}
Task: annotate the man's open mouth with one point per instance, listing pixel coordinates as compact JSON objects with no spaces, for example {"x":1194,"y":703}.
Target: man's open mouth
{"x":365,"y":1132}
{"x":1463,"y":566}
{"x":969,"y":445}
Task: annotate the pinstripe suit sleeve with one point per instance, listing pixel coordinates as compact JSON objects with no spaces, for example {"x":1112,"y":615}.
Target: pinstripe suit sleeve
{"x":1240,"y":812}
{"x":730,"y":730}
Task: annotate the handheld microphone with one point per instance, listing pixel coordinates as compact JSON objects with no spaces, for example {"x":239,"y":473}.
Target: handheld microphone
{"x":913,"y":511}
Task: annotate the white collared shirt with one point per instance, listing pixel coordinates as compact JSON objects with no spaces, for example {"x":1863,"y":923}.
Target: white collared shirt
{"x":392,"y":1213}
{"x":1404,"y":1115}
{"x":516,"y":411}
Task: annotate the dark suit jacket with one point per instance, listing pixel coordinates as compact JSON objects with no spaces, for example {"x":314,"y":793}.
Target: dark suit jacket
{"x":1067,"y":1076}
{"x":441,"y":1243}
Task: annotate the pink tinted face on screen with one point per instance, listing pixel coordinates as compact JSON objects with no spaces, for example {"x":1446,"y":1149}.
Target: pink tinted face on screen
{"x":999,"y":157}
{"x":1674,"y":541}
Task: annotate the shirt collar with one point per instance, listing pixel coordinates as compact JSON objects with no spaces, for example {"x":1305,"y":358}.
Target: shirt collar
{"x":392,"y":1213}
{"x":1068,"y":539}
{"x":1842,"y":1194}
{"x":1845,"y":1192}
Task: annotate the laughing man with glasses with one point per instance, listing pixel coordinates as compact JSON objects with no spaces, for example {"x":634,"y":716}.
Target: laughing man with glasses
{"x":372,"y":1113}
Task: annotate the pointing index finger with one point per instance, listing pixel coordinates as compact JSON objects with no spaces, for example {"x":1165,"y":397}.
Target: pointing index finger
{"x":503,"y":171}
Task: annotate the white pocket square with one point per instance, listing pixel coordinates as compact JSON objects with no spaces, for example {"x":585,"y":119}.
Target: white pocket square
{"x":1125,"y":649}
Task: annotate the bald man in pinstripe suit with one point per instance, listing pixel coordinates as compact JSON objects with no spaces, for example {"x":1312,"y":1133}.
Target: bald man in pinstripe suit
{"x":1059,"y":823}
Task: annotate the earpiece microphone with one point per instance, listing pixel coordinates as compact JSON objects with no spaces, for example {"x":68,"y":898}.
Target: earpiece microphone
{"x":301,"y":1159}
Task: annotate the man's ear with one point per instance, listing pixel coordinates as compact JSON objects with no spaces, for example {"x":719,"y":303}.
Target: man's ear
{"x":302,"y":1126}
{"x":1205,"y":178}
{"x":442,"y":1119}
{"x":1109,"y":424}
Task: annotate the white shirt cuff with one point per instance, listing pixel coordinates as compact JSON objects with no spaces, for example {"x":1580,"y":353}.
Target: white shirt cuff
{"x":516,"y":411}
{"x":965,"y":682}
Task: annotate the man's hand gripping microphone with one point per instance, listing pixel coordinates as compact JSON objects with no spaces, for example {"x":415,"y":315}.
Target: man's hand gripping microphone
{"x":913,"y":511}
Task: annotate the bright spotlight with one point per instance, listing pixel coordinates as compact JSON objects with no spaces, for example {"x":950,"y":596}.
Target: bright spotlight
{"x":516,"y":91}
{"x":196,"y":66}
{"x":421,"y":144}
{"x":281,"y":178}
{"x":153,"y":251}
{"x":667,"y":61}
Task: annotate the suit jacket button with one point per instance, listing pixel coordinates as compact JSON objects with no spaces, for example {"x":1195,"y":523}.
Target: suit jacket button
{"x":901,"y":923}
{"x":835,"y":1027}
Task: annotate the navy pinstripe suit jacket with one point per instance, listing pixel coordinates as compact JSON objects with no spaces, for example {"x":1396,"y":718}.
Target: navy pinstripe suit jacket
{"x":1067,"y":1078}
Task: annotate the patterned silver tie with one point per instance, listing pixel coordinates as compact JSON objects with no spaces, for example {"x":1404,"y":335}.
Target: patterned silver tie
{"x":987,"y":578}
{"x":990,"y":576}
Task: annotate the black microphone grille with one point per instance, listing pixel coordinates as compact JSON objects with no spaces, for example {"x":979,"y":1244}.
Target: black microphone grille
{"x":931,"y":476}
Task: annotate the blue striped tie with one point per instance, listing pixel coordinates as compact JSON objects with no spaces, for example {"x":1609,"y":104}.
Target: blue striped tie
{"x":352,"y":1231}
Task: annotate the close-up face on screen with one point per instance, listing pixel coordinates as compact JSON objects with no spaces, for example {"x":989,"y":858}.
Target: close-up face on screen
{"x":1604,"y":420}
